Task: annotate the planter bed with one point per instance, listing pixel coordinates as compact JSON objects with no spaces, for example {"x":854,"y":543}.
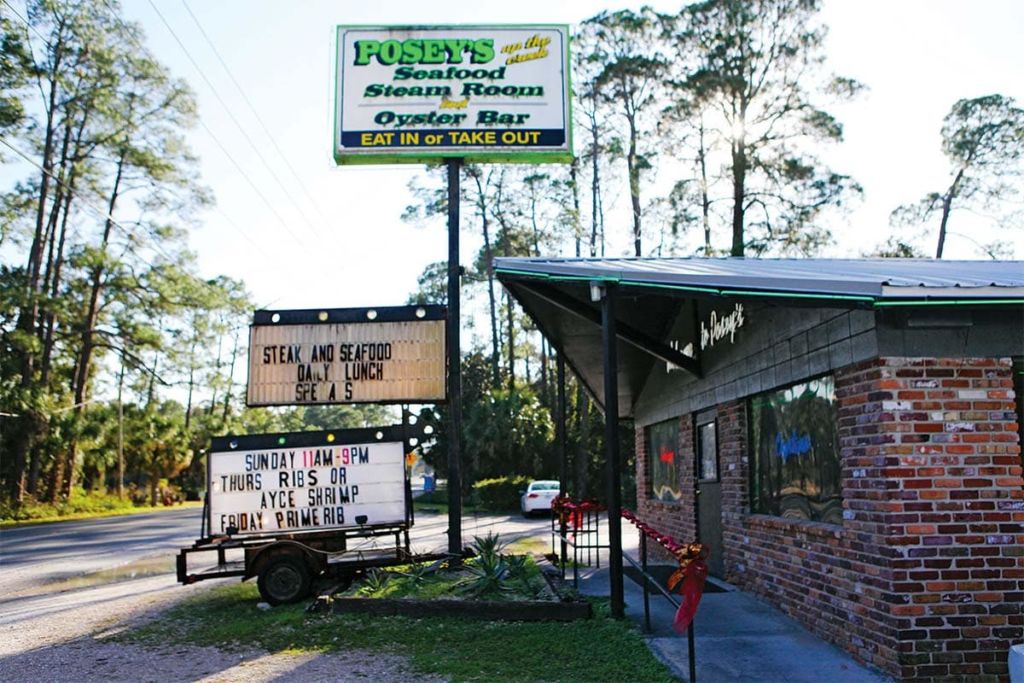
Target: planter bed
{"x":522,"y":610}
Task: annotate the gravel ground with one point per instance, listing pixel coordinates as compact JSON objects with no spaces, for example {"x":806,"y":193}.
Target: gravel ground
{"x":62,"y":638}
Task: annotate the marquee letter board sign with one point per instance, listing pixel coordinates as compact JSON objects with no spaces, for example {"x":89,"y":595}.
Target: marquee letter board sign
{"x":347,"y":355}
{"x":306,"y":481}
{"x":483,"y":93}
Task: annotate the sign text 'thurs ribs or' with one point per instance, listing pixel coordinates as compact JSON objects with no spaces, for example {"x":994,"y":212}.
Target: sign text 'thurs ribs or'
{"x":332,"y":356}
{"x":268,"y":483}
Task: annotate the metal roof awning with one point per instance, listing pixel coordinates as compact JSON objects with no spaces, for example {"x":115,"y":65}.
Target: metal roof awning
{"x":652,"y":291}
{"x":867,"y":281}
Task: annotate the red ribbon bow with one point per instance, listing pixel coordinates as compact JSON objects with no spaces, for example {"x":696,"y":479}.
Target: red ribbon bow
{"x":689,"y":578}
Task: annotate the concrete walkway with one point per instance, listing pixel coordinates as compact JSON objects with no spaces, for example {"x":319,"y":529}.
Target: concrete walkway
{"x":738,"y":638}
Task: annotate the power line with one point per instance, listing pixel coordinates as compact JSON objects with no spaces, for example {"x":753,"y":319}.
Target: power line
{"x":234,"y":119}
{"x":255,"y":113}
{"x":226,"y":217}
{"x":101,"y":212}
{"x":216,"y":140}
{"x":24,"y":20}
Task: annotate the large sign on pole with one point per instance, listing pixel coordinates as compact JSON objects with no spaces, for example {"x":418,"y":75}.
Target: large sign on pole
{"x":482,"y":93}
{"x":311,"y":481}
{"x":351,"y":355}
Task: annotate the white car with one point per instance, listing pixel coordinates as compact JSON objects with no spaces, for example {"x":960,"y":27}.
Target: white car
{"x":538,"y":496}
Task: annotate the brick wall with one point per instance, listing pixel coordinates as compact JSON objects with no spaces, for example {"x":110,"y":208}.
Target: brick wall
{"x":925,"y":578}
{"x":955,"y":526}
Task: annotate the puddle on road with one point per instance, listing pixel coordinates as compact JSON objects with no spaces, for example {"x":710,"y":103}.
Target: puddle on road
{"x":138,"y":569}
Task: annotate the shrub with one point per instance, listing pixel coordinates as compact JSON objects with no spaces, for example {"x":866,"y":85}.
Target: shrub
{"x":435,"y":497}
{"x":501,"y":493}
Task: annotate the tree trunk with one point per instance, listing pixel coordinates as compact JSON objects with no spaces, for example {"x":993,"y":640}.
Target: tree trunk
{"x":739,"y":177}
{"x":30,"y":420}
{"x":583,"y":452}
{"x":634,"y":183}
{"x":576,"y":226}
{"x":947,"y":204}
{"x":705,"y":203}
{"x":491,"y":298}
{"x":231,"y":373}
{"x":511,"y":344}
{"x":81,"y":380}
{"x":595,"y":186}
{"x":191,"y":384}
{"x":120,"y":431}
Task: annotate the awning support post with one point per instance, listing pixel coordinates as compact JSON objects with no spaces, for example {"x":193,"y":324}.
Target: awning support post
{"x":607,"y":293}
{"x":563,"y":465}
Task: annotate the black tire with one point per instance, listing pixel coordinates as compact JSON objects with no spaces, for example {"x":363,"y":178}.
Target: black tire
{"x":284,"y":579}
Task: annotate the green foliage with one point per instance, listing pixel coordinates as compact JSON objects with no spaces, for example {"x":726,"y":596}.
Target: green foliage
{"x":983,"y":139}
{"x":488,"y":548}
{"x":510,"y":430}
{"x":80,"y":503}
{"x":15,"y":69}
{"x":499,"y":494}
{"x":374,"y":583}
{"x":487,"y":577}
{"x":750,"y":72}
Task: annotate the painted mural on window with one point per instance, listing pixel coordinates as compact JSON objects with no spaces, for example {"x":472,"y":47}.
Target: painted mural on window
{"x":663,"y":456}
{"x":795,"y":446}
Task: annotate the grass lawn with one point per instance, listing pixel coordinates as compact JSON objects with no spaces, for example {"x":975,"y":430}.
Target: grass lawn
{"x":598,"y":649}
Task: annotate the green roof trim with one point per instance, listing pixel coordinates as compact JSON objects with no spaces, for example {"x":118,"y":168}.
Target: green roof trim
{"x":951,"y":302}
{"x":874,"y":300}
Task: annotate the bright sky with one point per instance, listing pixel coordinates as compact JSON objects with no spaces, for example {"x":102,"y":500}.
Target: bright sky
{"x":345,"y":245}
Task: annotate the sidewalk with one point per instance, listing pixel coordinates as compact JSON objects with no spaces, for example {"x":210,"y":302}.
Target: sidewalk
{"x":737,"y":637}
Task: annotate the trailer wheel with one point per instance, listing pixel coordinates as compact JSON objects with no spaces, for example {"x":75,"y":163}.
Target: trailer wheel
{"x":284,"y":579}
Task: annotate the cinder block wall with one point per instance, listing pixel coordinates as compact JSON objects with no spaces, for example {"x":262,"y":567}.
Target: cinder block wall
{"x":925,"y":579}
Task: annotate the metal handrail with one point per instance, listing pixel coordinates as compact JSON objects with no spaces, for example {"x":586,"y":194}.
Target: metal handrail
{"x":691,"y":646}
{"x":648,"y":580}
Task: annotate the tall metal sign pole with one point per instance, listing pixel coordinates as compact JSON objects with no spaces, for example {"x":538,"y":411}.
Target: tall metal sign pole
{"x":454,"y":365}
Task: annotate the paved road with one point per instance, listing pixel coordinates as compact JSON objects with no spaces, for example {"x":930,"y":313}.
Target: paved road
{"x":48,"y":553}
{"x":55,"y":567}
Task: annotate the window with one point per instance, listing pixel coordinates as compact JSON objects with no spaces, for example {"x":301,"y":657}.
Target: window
{"x":707,"y":452}
{"x":663,"y":460}
{"x":795,"y":471}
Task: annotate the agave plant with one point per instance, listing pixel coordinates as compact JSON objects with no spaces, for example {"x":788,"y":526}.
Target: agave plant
{"x":374,"y":582}
{"x":519,"y":573}
{"x":489,"y":547}
{"x":420,"y":573}
{"x":488,"y":574}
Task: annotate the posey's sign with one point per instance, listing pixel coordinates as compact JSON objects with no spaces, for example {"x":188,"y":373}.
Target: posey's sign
{"x":721,"y":326}
{"x":482,"y":93}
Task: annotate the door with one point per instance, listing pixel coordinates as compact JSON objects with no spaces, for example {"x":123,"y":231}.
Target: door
{"x":709,"y":495}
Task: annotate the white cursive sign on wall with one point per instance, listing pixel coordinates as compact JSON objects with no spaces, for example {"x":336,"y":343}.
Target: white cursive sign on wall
{"x":720,"y":327}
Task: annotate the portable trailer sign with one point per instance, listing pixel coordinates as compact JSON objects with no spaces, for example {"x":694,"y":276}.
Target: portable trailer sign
{"x":272,"y":483}
{"x":482,"y":93}
{"x":350,"y":355}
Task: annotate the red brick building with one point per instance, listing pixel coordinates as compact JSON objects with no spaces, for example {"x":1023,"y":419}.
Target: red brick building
{"x":844,"y":435}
